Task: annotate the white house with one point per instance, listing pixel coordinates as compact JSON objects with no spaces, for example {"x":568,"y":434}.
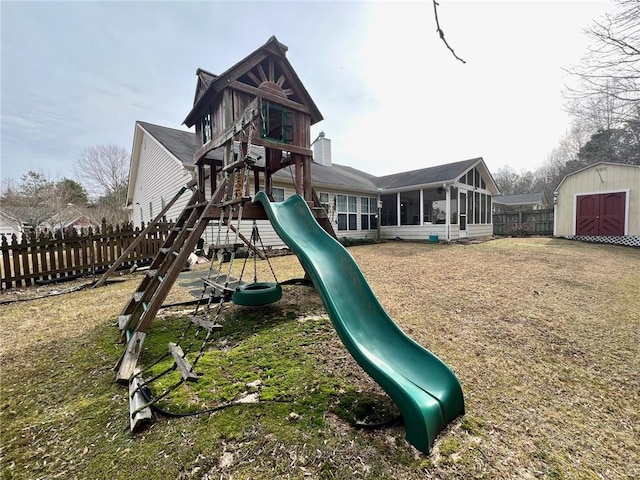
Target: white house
{"x":451,"y":201}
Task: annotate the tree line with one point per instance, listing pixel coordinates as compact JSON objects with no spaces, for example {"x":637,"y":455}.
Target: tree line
{"x":603,"y":101}
{"x":98,"y":191}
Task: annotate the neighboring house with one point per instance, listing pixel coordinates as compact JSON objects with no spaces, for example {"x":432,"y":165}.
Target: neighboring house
{"x":523,"y":202}
{"x":600,"y":202}
{"x":70,"y":218}
{"x":451,"y":201}
{"x":9,"y":225}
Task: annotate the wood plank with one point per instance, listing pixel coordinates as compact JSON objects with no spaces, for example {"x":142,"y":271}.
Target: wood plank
{"x":182,"y":363}
{"x":253,"y":78}
{"x":138,"y":413}
{"x":208,"y":324}
{"x":248,"y":115}
{"x":129,"y":360}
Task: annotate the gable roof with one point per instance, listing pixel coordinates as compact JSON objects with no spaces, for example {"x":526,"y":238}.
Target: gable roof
{"x":520,"y":198}
{"x":336,"y":176}
{"x":592,"y":166}
{"x":271,"y":48}
{"x":180,"y":143}
{"x":204,"y":81}
{"x":449,"y":172}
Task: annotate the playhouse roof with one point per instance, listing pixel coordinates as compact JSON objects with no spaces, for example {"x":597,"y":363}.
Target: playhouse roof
{"x":210,"y":85}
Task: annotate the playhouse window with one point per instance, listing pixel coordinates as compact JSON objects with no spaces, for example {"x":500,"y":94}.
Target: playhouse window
{"x":206,"y":126}
{"x":277,"y":123}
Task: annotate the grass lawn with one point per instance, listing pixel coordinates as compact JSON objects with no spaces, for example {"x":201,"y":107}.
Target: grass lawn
{"x":544,"y":335}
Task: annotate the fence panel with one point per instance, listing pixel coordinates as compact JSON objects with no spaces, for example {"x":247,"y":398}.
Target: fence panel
{"x":39,"y":259}
{"x":533,"y":222}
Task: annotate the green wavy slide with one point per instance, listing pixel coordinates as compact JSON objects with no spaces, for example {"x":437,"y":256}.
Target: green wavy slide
{"x":423,"y":387}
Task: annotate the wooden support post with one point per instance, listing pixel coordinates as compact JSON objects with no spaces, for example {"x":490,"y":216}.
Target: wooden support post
{"x":138,"y":413}
{"x":298,"y":174}
{"x":306,"y":179}
{"x":129,"y":359}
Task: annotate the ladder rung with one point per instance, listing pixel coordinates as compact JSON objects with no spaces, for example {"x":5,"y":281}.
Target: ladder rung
{"x":138,"y":296}
{"x":123,"y":320}
{"x":182,"y":363}
{"x":208,"y":324}
{"x":218,"y":286}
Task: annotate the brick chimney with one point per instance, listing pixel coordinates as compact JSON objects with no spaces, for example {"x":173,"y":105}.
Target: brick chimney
{"x":322,"y":150}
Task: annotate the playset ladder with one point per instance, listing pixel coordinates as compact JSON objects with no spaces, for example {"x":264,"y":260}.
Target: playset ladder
{"x":140,"y":310}
{"x":142,"y":235}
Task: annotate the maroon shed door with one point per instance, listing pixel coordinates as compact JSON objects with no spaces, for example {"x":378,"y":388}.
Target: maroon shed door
{"x":601,"y":214}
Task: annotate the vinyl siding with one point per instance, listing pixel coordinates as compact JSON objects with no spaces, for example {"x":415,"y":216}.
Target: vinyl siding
{"x":160,"y":176}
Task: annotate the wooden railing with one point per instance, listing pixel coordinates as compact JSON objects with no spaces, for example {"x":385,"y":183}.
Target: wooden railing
{"x":533,"y":222}
{"x":45,"y":258}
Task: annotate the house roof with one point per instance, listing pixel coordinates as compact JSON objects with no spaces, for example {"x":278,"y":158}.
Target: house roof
{"x":218,"y":83}
{"x":448,"y":172}
{"x":519,"y":199}
{"x":336,"y":176}
{"x":180,"y":143}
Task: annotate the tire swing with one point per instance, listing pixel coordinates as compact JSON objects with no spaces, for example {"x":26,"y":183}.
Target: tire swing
{"x":257,"y":293}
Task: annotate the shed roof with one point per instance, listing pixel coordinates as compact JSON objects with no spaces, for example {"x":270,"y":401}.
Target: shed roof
{"x":592,"y":166}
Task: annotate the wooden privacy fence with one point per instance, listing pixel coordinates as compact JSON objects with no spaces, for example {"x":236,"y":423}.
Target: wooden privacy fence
{"x":50,"y":257}
{"x":533,"y":222}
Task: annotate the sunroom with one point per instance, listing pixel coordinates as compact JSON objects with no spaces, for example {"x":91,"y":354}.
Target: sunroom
{"x":447,"y":202}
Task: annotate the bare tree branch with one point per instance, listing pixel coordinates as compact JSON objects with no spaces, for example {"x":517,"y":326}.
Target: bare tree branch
{"x":441,"y":32}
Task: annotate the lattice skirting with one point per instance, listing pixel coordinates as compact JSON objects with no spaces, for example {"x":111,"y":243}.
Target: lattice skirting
{"x":628,"y":240}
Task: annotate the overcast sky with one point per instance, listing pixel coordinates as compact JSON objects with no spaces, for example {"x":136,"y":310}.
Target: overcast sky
{"x":393,"y":98}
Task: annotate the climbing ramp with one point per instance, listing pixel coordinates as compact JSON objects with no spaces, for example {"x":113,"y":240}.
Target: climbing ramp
{"x":426,"y":391}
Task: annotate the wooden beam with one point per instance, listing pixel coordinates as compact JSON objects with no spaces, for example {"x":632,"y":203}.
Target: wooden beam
{"x":266,"y":143}
{"x":245,"y":88}
{"x":138,"y":412}
{"x":129,"y":361}
{"x":248,"y":115}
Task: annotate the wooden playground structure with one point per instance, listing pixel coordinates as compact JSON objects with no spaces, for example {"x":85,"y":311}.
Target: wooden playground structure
{"x":259,"y":101}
